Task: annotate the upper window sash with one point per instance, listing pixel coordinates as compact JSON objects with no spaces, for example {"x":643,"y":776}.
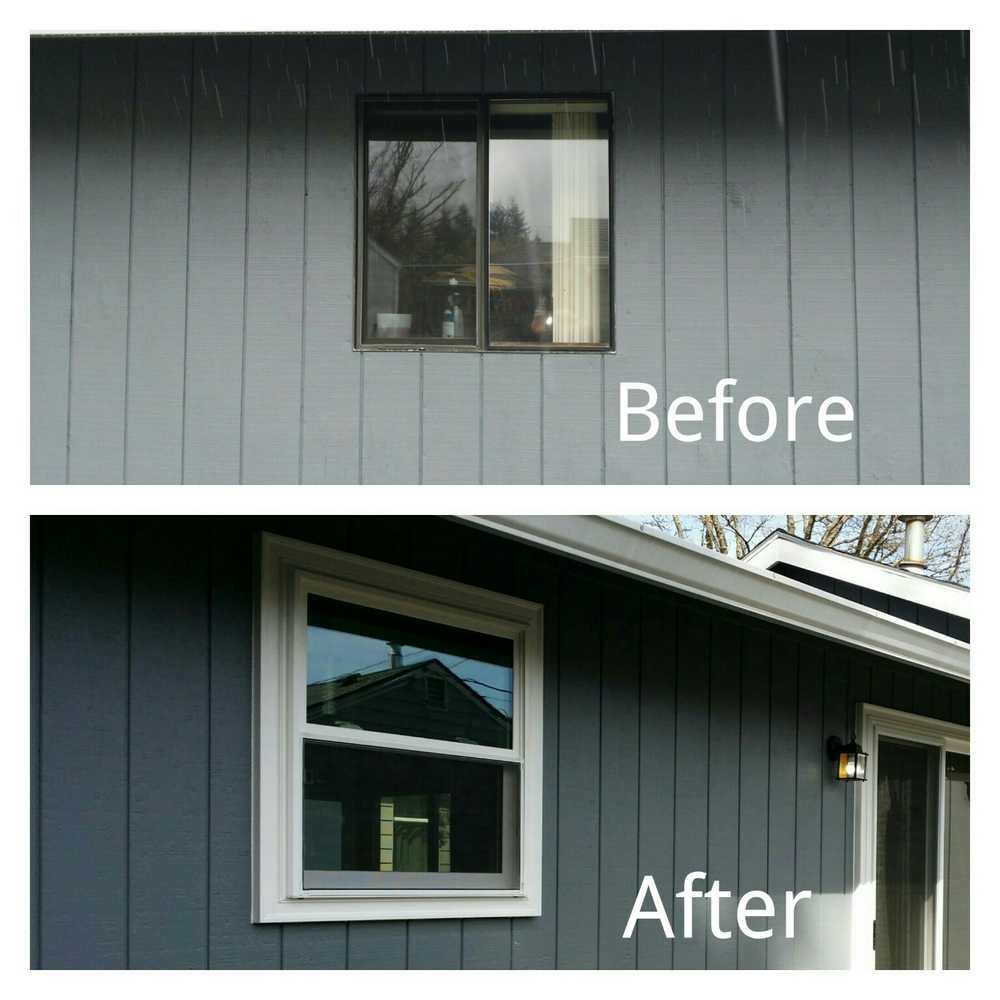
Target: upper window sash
{"x":413,"y":607}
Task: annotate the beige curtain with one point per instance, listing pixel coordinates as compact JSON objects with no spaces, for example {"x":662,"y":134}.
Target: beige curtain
{"x":576,"y":273}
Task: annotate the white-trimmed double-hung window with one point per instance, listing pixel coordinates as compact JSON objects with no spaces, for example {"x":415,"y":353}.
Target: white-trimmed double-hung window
{"x":398,"y":722}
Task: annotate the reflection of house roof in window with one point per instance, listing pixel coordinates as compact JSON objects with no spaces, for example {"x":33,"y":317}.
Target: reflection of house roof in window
{"x":372,"y":701}
{"x":590,"y":239}
{"x":378,"y":249}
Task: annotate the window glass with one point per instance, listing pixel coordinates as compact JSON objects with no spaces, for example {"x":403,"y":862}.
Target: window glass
{"x":958,"y":791}
{"x":549,"y":278}
{"x":905,"y":853}
{"x":373,"y":670}
{"x":386,"y":812}
{"x":420,"y":225}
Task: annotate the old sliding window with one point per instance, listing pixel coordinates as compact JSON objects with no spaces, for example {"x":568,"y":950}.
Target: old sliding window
{"x":485,"y":224}
{"x":399,"y":750}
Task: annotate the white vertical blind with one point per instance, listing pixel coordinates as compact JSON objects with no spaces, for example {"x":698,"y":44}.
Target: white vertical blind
{"x":576,"y":220}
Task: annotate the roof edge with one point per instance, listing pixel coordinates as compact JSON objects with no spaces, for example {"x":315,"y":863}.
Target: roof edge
{"x":779,"y":546}
{"x":613,"y":543}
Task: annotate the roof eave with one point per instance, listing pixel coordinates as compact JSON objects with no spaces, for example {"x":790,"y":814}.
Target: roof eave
{"x":616,"y":545}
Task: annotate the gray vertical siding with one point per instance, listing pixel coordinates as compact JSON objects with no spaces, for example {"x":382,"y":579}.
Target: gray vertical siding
{"x":213,"y":402}
{"x":821,"y":231}
{"x":158,"y":275}
{"x":757,"y":249}
{"x":677,"y":738}
{"x":192,"y":260}
{"x":695,"y":280}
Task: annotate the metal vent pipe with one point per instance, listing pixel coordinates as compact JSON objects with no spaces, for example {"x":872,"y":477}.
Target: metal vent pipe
{"x":914,"y":548}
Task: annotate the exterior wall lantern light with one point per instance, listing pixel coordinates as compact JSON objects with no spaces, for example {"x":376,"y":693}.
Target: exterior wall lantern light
{"x":852,"y":761}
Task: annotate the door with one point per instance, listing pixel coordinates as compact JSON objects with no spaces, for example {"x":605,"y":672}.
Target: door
{"x":913,"y":839}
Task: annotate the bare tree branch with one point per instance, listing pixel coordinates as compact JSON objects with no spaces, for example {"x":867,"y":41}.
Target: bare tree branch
{"x":877,"y":537}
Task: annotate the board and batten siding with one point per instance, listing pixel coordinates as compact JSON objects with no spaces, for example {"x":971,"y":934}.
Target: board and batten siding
{"x":678,"y":737}
{"x":790,"y":210}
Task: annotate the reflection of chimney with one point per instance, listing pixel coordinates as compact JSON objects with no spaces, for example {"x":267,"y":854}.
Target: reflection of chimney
{"x":395,"y":655}
{"x":914,"y":557}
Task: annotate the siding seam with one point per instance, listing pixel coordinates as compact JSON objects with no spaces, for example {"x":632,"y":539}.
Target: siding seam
{"x":739,"y":781}
{"x":674,"y":623}
{"x":559,"y":583}
{"x":541,"y":357}
{"x":246,"y":256}
{"x":128,"y":283}
{"x":788,"y":234}
{"x":482,"y":419}
{"x":481,"y":335}
{"x":422,"y":41}
{"x":541,"y":420}
{"x":602,"y":611}
{"x":712,"y":635}
{"x":305,"y":258}
{"x":770,"y":752}
{"x":40,"y":565}
{"x":664,"y":236}
{"x":641,"y":647}
{"x":420,"y":420}
{"x":359,"y":288}
{"x":795,"y":770}
{"x":73,"y":251}
{"x":127,"y":792}
{"x":854,"y":251}
{"x":604,"y":357}
{"x":209,"y":590}
{"x":822,"y":797}
{"x":914,"y":108}
{"x":723,"y":110}
{"x":187,"y":268}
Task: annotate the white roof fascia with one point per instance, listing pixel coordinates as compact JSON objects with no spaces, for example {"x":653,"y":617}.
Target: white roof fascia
{"x":779,"y":548}
{"x":616,"y":544}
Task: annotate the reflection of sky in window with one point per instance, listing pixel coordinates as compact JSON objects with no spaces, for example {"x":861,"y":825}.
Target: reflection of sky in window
{"x":521,"y":170}
{"x":453,"y":161}
{"x":334,"y":654}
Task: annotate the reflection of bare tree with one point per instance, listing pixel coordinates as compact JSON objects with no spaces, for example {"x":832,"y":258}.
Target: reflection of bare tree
{"x":403,"y":203}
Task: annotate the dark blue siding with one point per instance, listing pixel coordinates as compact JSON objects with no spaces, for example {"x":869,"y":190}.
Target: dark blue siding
{"x":678,"y":737}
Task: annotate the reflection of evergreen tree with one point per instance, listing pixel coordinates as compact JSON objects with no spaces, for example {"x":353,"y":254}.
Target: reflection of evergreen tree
{"x":453,"y":238}
{"x":510,"y":234}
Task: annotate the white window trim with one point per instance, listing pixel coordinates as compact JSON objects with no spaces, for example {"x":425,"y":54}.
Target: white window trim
{"x":291,"y":569}
{"x":875,"y":721}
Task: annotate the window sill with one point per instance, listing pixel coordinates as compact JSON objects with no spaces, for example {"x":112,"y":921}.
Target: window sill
{"x":422,"y":906}
{"x":573,"y":349}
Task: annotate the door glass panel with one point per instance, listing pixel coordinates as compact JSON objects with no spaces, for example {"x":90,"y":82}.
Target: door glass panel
{"x":956,"y":861}
{"x":905,"y":854}
{"x":420,"y":225}
{"x":374,"y":670}
{"x":549,"y":224}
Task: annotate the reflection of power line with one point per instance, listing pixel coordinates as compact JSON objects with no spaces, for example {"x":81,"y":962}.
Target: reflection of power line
{"x":493,"y":687}
{"x":383,"y":663}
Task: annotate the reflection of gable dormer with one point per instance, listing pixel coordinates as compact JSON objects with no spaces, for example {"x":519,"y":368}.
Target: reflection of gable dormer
{"x":398,"y":697}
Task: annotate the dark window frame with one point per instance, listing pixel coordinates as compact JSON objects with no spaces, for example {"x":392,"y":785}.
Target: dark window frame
{"x":481,"y":104}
